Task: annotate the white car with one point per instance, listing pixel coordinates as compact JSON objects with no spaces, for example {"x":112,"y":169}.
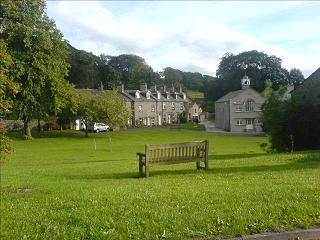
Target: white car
{"x":101,"y":127}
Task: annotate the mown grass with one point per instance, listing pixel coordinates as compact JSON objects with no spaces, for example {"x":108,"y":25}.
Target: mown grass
{"x":77,"y":192}
{"x":192,"y":126}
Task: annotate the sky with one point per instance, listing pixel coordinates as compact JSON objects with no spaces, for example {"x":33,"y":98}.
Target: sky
{"x":193,"y":35}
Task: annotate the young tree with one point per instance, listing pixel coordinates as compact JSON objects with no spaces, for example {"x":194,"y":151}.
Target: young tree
{"x":39,"y":56}
{"x":102,"y":107}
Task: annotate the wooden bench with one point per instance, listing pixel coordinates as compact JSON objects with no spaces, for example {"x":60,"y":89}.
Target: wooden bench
{"x":157,"y":154}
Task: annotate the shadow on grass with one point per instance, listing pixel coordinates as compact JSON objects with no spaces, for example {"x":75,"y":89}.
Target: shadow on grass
{"x":18,"y":135}
{"x":310,"y":161}
{"x":236,"y":156}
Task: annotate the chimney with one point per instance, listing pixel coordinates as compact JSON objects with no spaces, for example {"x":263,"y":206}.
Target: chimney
{"x":143,"y":87}
{"x":154,"y":88}
{"x":121,"y":88}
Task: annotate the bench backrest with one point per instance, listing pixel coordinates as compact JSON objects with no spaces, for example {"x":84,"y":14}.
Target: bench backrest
{"x":175,"y":153}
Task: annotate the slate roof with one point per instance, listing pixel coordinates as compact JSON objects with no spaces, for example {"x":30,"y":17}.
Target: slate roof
{"x":130,"y":94}
{"x":229,"y":95}
{"x":314,"y":76}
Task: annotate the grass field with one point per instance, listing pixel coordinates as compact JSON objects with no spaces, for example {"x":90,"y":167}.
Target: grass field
{"x":58,"y":187}
{"x":195,"y":95}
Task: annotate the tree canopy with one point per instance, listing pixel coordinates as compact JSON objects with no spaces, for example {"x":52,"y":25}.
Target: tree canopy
{"x":258,"y":66}
{"x":39,"y":56}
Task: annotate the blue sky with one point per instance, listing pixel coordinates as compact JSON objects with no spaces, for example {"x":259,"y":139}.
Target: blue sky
{"x":193,"y":35}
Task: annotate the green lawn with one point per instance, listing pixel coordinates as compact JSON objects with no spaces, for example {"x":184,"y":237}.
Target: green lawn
{"x":81,"y":193}
{"x":195,"y":95}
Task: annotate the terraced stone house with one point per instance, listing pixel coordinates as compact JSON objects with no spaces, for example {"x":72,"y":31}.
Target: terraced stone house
{"x":154,"y":107}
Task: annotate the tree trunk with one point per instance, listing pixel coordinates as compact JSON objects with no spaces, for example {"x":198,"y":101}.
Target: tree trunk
{"x":26,"y":129}
{"x":39,"y":125}
{"x":86,"y":130}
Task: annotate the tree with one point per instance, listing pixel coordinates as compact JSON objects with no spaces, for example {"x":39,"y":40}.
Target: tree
{"x":87,"y":70}
{"x":39,"y":59}
{"x":257,"y":65}
{"x":132,"y":69}
{"x":102,"y":107}
{"x":295,"y":77}
{"x":291,"y":124}
{"x":7,"y":90}
{"x":172,"y":77}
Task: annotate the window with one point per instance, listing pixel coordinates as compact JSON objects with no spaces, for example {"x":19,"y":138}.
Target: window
{"x":153,"y":108}
{"x":181,"y":107}
{"x":148,"y":95}
{"x":140,"y":107}
{"x":238,"y":108}
{"x":249,"y":105}
{"x":173,"y":106}
{"x":195,"y":110}
{"x":239,"y":122}
{"x":164,"y":106}
{"x":249,"y":122}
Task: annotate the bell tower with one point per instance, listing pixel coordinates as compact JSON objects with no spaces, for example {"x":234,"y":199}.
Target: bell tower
{"x":245,"y":82}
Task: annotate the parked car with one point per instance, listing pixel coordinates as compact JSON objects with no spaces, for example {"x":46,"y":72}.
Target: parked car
{"x":100,"y":127}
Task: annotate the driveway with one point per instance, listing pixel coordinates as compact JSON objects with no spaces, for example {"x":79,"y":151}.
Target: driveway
{"x":211,"y":127}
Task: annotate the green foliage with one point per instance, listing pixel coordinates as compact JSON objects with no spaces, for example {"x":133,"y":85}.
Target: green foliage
{"x":257,"y":65}
{"x":130,"y":70}
{"x":208,"y":106}
{"x":39,"y":55}
{"x":268,"y":90}
{"x":85,"y":69}
{"x":104,"y":107}
{"x":276,"y":115}
{"x":7,"y":90}
{"x":295,"y":77}
{"x":59,"y":187}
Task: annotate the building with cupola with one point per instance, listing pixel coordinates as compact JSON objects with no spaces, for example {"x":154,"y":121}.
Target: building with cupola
{"x":240,"y":111}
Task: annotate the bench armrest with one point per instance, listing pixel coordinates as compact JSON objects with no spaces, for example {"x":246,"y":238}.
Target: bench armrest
{"x":141,"y":154}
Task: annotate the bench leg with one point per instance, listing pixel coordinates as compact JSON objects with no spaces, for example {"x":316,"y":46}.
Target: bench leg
{"x":146,"y":171}
{"x":198,"y":164}
{"x":140,"y":168}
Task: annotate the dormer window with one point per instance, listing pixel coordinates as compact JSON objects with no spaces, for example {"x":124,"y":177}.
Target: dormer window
{"x":158,"y":95}
{"x":168,"y":95}
{"x":184,"y":96}
{"x":137,"y":94}
{"x":148,"y":95}
{"x":176,"y":94}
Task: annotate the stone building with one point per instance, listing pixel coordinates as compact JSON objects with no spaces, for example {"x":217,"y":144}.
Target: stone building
{"x":309,"y":90}
{"x":239,"y":111}
{"x":153,"y":107}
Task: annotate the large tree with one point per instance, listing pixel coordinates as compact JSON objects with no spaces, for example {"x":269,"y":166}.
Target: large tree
{"x":131,"y":70}
{"x":257,"y":65}
{"x":295,"y":77}
{"x":39,"y":56}
{"x":7,"y":90}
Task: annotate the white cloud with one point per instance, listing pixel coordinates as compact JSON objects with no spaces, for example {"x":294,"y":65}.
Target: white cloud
{"x":191,"y":42}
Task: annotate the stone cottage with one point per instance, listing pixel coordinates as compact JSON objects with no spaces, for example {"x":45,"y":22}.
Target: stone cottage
{"x":239,"y":111}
